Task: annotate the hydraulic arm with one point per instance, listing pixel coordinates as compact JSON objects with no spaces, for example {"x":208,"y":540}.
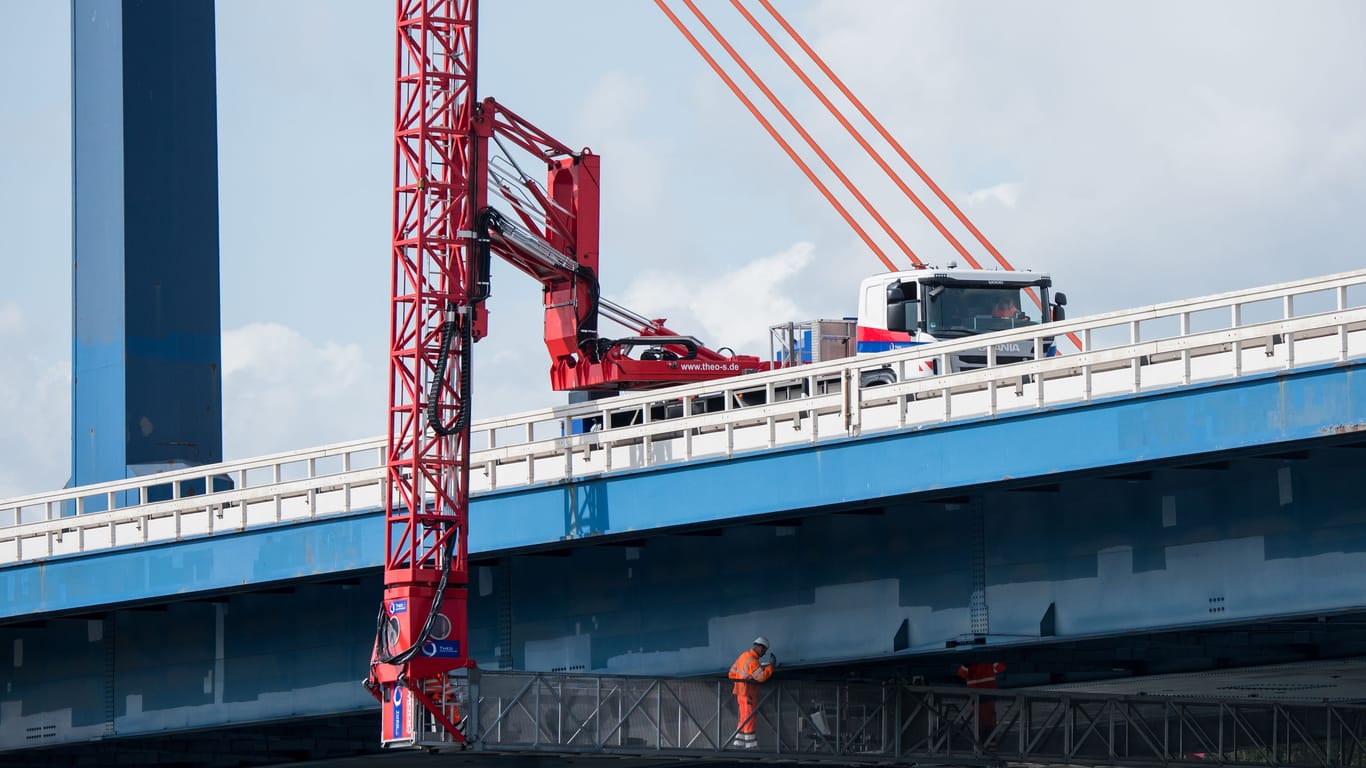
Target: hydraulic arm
{"x":555,"y":241}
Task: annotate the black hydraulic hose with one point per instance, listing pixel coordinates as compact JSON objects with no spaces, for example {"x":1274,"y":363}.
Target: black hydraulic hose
{"x":488,"y":219}
{"x":587,"y":332}
{"x":448,"y":331}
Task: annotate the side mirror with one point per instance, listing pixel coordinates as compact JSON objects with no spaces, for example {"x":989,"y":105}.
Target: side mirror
{"x":1059,"y":313}
{"x":1060,"y":299}
{"x":904,"y":317}
{"x":896,"y":316}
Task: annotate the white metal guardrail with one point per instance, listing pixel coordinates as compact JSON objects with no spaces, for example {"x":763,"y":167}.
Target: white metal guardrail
{"x":1207,"y":340}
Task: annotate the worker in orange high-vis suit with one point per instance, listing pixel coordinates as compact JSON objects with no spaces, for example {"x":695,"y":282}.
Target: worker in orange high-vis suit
{"x":983,"y":675}
{"x":747,"y":672}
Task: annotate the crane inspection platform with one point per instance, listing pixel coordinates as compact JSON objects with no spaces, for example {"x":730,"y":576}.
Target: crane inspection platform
{"x":892,"y":723}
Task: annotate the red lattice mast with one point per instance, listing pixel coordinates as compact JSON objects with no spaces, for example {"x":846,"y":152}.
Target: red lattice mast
{"x":423,"y":632}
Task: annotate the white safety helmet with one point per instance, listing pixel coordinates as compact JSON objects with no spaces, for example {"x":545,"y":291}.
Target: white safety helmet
{"x":761,"y":640}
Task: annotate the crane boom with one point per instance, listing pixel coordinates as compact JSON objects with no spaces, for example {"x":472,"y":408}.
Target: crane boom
{"x":421,"y":635}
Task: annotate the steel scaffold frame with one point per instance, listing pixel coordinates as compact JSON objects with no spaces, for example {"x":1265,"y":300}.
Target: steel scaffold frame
{"x":891,"y":723}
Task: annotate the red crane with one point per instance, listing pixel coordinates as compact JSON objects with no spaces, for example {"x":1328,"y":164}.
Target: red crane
{"x":450,"y":152}
{"x":422,"y":633}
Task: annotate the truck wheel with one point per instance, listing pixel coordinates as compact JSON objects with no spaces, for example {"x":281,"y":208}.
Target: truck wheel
{"x":877,"y":378}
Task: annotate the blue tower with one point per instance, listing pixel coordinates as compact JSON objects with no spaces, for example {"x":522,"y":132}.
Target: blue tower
{"x":146,"y":334}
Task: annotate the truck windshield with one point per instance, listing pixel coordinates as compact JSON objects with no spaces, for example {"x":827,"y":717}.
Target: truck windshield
{"x":964,"y":310}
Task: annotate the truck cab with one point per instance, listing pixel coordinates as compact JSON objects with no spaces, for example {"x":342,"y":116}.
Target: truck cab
{"x":924,"y":306}
{"x":912,"y":308}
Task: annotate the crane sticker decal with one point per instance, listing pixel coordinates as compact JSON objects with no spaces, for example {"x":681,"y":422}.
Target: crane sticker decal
{"x":441,"y":649}
{"x":709,"y":366}
{"x":396,"y":727}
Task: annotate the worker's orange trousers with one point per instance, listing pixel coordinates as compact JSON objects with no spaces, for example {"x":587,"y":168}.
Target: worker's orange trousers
{"x":746,"y":702}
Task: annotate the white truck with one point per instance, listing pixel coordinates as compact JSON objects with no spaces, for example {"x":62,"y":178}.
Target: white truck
{"x":895,"y":310}
{"x":922,"y":306}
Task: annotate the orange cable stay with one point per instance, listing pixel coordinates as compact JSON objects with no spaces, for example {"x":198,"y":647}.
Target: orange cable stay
{"x":882,"y":131}
{"x":796,"y":125}
{"x":776,"y":137}
{"x":901,"y":151}
{"x":854,"y":132}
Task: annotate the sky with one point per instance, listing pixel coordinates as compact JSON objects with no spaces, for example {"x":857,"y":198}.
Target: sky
{"x":1139,"y":152}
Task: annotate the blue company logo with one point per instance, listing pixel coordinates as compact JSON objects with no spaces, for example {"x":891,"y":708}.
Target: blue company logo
{"x":397,"y":727}
{"x":398,"y":606}
{"x":441,"y":649}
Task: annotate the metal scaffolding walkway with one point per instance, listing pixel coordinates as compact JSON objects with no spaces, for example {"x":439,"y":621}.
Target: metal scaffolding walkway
{"x":891,"y":724}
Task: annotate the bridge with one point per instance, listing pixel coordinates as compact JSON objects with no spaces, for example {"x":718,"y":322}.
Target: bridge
{"x":1177,"y":496}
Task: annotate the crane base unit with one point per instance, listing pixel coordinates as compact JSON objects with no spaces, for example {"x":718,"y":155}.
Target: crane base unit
{"x":428,"y":716}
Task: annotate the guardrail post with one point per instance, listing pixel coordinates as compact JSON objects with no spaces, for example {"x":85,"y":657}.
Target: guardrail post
{"x":1236,"y":320}
{"x":688,"y":413}
{"x":1136,"y":364}
{"x":1039,"y":377}
{"x":275,"y":478}
{"x":530,"y":457}
{"x":1184,"y":331}
{"x":811,"y":388}
{"x":847,"y":396}
{"x":346,"y":487}
{"x":567,"y":439}
{"x":991,"y":383}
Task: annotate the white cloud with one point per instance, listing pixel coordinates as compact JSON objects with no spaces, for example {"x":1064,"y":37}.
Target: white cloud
{"x":733,"y":309}
{"x":282,"y":391}
{"x":632,"y":172}
{"x":1005,"y":193}
{"x":35,"y":411}
{"x":11,"y":319}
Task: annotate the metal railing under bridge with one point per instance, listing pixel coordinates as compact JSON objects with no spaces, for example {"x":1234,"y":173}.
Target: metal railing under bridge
{"x":890,"y":723}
